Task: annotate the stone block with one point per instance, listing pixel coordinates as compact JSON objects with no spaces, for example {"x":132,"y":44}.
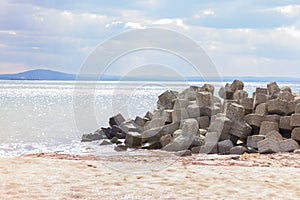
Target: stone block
{"x":285,"y":123}
{"x":151,"y":135}
{"x":193,"y":111}
{"x":235,"y":112}
{"x":190,"y":96}
{"x":203,"y":122}
{"x":259,"y":98}
{"x":273,"y":89}
{"x":240,"y":129}
{"x":133,"y":139}
{"x":277,"y":106}
{"x":261,"y":109}
{"x":274,"y":135}
{"x":248,"y":105}
{"x":169,"y":128}
{"x":239,"y":94}
{"x":209,"y":148}
{"x":261,"y":91}
{"x":226,"y":92}
{"x":179,"y":114}
{"x":166,"y":100}
{"x":116,"y":120}
{"x":286,"y":96}
{"x":166,"y":139}
{"x":254,"y":119}
{"x":253,"y":140}
{"x":155,"y":123}
{"x":272,"y":118}
{"x":167,"y":116}
{"x":237,"y":85}
{"x":295,"y":120}
{"x":204,"y":99}
{"x":297,"y":109}
{"x":225,"y":146}
{"x":198,"y":141}
{"x":222,"y":126}
{"x":141,"y":121}
{"x":208,"y":88}
{"x":267,"y":127}
{"x":296,"y":134}
{"x":149,"y":115}
{"x":195,"y":150}
{"x":268,"y":146}
{"x":212,"y":137}
{"x":288,"y":145}
{"x":238,"y":150}
{"x":190,"y":127}
{"x":180,"y":103}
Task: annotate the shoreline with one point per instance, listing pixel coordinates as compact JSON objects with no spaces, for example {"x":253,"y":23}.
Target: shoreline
{"x":65,"y":176}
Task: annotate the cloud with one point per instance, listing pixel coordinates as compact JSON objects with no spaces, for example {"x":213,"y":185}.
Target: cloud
{"x":165,"y":21}
{"x":289,"y":10}
{"x":134,"y":25}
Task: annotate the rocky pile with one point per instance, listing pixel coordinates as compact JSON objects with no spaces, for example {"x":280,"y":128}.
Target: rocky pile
{"x":196,"y":121}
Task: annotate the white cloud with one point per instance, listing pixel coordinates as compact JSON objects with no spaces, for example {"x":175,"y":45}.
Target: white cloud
{"x":209,"y":12}
{"x":204,"y":13}
{"x":134,"y":25}
{"x":9,"y":32}
{"x":114,"y":23}
{"x":165,"y":21}
{"x":290,"y":10}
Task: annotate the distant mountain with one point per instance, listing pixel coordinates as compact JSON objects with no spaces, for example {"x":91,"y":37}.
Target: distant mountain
{"x":39,"y":74}
{"x":43,"y":74}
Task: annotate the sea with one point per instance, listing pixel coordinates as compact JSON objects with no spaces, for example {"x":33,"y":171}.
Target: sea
{"x":52,"y":116}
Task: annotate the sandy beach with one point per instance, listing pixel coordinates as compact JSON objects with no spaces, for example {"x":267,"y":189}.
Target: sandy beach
{"x":57,"y":176}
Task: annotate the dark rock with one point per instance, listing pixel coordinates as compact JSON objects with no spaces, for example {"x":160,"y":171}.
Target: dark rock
{"x":166,"y":139}
{"x":116,"y":120}
{"x":166,"y":100}
{"x":152,"y":145}
{"x":105,"y":142}
{"x":296,"y":134}
{"x":195,"y":150}
{"x":120,"y":148}
{"x":133,"y":139}
{"x":97,"y":135}
{"x":252,"y":141}
{"x":238,"y":150}
{"x":267,"y":127}
{"x":225,"y":146}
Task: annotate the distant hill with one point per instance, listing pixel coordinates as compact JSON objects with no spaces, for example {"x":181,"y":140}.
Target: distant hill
{"x":43,"y":74}
{"x":39,"y":74}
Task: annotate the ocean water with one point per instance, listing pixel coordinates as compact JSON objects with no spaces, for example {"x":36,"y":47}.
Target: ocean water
{"x":47,"y":116}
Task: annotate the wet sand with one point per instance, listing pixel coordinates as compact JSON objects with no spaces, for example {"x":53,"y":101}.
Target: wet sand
{"x":57,"y":176}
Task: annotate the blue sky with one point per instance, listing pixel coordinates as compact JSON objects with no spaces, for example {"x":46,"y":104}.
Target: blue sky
{"x":243,"y":38}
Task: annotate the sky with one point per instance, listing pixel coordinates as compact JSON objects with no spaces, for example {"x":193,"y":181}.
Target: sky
{"x":242,"y":38}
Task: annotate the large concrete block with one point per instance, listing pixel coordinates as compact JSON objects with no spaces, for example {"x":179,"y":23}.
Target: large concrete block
{"x":226,"y":92}
{"x":297,"y":109}
{"x":235,"y":112}
{"x":222,"y":126}
{"x":237,"y":85}
{"x":261,"y":91}
{"x":274,"y":135}
{"x":277,"y":106}
{"x":288,"y":145}
{"x":116,"y":120}
{"x":133,"y":139}
{"x":225,"y":146}
{"x":268,"y":146}
{"x":273,"y":89}
{"x":203,"y":122}
{"x":295,"y":120}
{"x":248,"y":105}
{"x":267,"y":127}
{"x":180,"y":103}
{"x":272,"y":118}
{"x":179,"y":114}
{"x":193,"y":111}
{"x":167,"y":116}
{"x":166,"y":100}
{"x":254,"y":119}
{"x":253,"y":140}
{"x":141,"y":121}
{"x":238,"y":150}
{"x":240,"y":129}
{"x":296,"y":134}
{"x":204,"y":99}
{"x":259,"y":98}
{"x":286,"y":96}
{"x":209,"y":148}
{"x":208,"y":88}
{"x":285,"y":123}
{"x":154,"y":123}
{"x":239,"y":94}
{"x":261,"y":109}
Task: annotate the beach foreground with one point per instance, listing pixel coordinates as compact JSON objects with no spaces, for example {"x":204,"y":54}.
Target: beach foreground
{"x":56,"y":176}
